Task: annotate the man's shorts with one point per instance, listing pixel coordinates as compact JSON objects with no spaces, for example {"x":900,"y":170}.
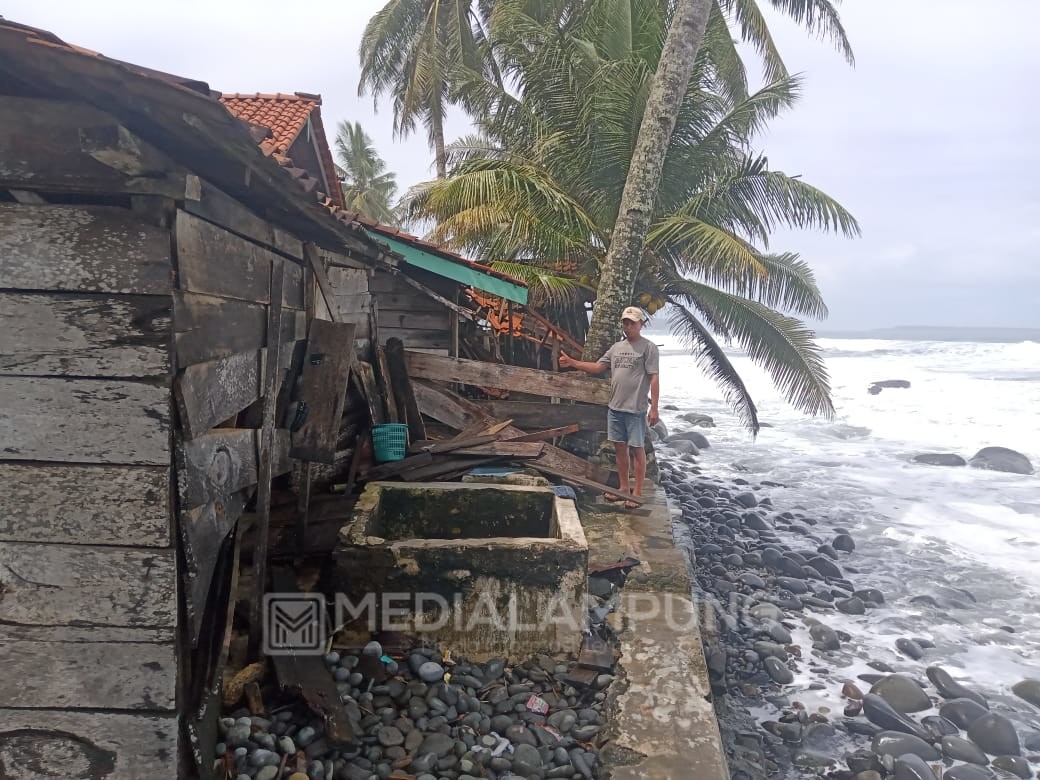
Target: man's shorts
{"x":629,"y":427}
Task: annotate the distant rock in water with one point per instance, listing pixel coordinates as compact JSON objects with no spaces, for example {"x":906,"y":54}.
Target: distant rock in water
{"x":1001,"y":459}
{"x":939,"y":459}
{"x":877,"y":387}
{"x":702,"y":420}
{"x":698,"y":439}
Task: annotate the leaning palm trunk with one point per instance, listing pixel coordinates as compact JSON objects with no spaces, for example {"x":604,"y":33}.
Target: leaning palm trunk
{"x":644,"y":175}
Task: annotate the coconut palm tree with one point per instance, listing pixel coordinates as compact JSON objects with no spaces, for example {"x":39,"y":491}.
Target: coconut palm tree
{"x":540,"y":188}
{"x":411,"y":50}
{"x":368,"y":187}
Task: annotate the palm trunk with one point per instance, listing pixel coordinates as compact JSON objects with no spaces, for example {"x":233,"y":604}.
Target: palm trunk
{"x":438,"y":144}
{"x":644,"y":175}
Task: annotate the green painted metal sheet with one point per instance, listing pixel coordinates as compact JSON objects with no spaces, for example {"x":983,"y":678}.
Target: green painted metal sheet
{"x":455,"y":271}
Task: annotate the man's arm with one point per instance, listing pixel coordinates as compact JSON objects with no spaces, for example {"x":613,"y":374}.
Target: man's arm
{"x":566,"y":361}
{"x":655,"y":393}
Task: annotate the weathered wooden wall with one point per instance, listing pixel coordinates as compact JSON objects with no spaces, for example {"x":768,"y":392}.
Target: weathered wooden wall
{"x":88,"y":570}
{"x":407,"y":313}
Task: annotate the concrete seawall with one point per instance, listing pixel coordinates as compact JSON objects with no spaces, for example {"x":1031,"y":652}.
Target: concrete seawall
{"x":663,"y":724}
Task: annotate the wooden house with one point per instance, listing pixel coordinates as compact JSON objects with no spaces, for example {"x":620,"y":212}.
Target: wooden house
{"x":162,"y":264}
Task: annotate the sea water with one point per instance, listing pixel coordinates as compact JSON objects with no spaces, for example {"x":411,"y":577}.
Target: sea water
{"x":966,"y":538}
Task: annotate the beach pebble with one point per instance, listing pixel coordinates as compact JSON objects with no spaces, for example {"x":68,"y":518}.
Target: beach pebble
{"x":994,"y":734}
{"x":902,"y":693}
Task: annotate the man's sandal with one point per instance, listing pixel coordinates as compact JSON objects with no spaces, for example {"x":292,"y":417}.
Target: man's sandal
{"x":612,"y":498}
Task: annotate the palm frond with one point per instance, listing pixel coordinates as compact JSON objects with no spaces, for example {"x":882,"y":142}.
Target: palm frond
{"x":546,"y":287}
{"x":821,"y":18}
{"x":781,"y":345}
{"x":712,"y":360}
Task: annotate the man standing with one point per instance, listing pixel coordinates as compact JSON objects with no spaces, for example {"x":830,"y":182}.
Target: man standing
{"x":634,"y":373}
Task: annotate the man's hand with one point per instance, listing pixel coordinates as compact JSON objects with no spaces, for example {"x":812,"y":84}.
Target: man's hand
{"x":652,"y":417}
{"x":566,"y":361}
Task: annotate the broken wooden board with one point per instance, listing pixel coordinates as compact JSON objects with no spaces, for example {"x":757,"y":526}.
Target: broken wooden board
{"x":447,"y":445}
{"x":367,"y":381}
{"x":587,"y":483}
{"x":85,"y":504}
{"x":403,"y":388}
{"x":203,"y":531}
{"x":547,"y":435}
{"x":307,"y":676}
{"x":505,"y":449}
{"x":83,"y":249}
{"x":422,"y":365}
{"x":533,"y":415}
{"x":395,"y":411}
{"x":210,"y":393}
{"x":79,"y":335}
{"x":459,"y":413}
{"x":323,"y":387}
{"x":445,"y":467}
{"x":222,"y":462}
{"x":385,"y":470}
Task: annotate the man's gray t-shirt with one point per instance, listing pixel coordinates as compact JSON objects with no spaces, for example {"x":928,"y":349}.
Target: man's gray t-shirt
{"x":631,"y":365}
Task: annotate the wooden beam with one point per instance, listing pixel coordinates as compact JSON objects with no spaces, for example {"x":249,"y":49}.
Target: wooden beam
{"x":27,"y":197}
{"x":74,"y":504}
{"x":444,"y":467}
{"x":586,"y":483}
{"x":263,"y":499}
{"x":65,"y":584}
{"x":509,"y":449}
{"x":460,"y":310}
{"x":458,"y":412}
{"x":83,"y":249}
{"x":84,"y":420}
{"x":447,"y":445}
{"x":385,"y":470}
{"x":524,"y":380}
{"x":534,"y":415}
{"x":547,"y":435}
{"x":214,"y":261}
{"x":323,"y":387}
{"x":395,"y":361}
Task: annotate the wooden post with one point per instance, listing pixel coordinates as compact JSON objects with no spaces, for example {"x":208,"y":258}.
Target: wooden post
{"x":263,"y":498}
{"x":509,"y":330}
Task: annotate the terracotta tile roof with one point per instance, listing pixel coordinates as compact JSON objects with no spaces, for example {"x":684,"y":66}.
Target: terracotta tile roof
{"x":286,"y":117}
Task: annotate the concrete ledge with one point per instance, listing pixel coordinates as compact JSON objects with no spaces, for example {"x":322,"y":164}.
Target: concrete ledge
{"x":663,"y":724}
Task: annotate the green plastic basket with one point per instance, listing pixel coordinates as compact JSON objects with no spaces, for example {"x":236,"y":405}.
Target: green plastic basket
{"x":389,"y":442}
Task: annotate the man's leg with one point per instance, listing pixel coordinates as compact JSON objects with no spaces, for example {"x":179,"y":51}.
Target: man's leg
{"x":639,"y":468}
{"x":621,"y":455}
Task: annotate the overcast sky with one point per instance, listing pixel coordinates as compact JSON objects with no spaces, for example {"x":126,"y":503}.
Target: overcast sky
{"x":932,"y":140}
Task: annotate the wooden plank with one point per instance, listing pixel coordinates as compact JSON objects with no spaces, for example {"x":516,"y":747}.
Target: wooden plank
{"x":10,"y":632}
{"x":504,"y":377}
{"x":97,"y":336}
{"x":55,"y":743}
{"x":67,"y":146}
{"x":96,"y":675}
{"x":346,"y":282}
{"x":82,"y":249}
{"x":27,"y":197}
{"x":415,"y":340}
{"x":460,"y":310}
{"x":509,"y":449}
{"x":213,"y":466}
{"x":443,"y":467}
{"x":408,"y":300}
{"x":203,"y":531}
{"x":395,"y":411}
{"x":84,"y":421}
{"x":213,"y":205}
{"x":405,"y":396}
{"x":85,"y":504}
{"x":323,"y":387}
{"x":213,"y":261}
{"x":367,"y":379}
{"x":59,"y":584}
{"x":586,"y":483}
{"x":548,"y":434}
{"x":265,"y":460}
{"x":447,"y":445}
{"x":458,"y":412}
{"x":412,"y":320}
{"x":212,"y":392}
{"x":533,"y":415}
{"x":207,"y":327}
{"x":384,"y":470}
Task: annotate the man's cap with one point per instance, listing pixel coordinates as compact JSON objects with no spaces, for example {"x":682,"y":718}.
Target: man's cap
{"x":633,"y":313}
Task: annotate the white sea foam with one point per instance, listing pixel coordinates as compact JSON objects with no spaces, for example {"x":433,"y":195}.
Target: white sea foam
{"x":920,"y":530}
